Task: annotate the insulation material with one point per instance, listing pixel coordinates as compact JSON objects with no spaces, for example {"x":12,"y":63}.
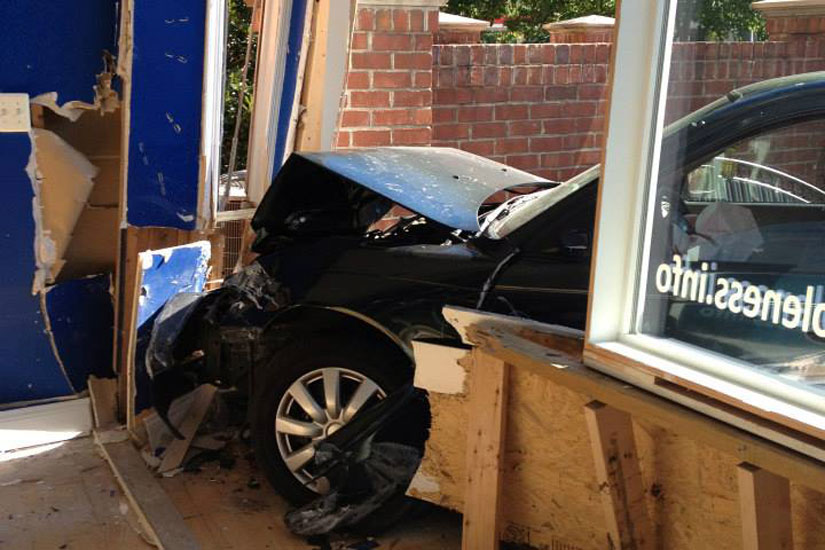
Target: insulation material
{"x":166,"y":273}
{"x":64,"y":182}
{"x":59,"y":52}
{"x":166,"y":43}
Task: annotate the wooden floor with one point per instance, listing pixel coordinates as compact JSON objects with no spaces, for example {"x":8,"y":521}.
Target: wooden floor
{"x":67,"y":498}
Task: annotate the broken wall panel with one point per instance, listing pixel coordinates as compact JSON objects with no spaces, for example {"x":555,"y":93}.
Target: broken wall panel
{"x":28,"y":367}
{"x":166,"y":99}
{"x":56,"y":47}
{"x":166,"y":272}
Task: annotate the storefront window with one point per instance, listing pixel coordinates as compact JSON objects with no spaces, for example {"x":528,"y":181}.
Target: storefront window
{"x":734,"y":260}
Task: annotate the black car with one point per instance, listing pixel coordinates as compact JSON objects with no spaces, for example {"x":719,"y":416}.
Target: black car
{"x":360,"y":250}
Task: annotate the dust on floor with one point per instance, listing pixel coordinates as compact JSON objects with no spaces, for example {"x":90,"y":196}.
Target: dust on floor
{"x":66,"y":497}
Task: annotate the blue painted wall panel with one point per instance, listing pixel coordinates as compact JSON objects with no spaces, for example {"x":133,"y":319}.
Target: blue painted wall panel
{"x":49,"y":46}
{"x":165,"y":126}
{"x":181,"y":270}
{"x":82,"y":320}
{"x":28,"y":369}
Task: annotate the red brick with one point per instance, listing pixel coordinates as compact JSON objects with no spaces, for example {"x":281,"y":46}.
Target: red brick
{"x":523,"y":162}
{"x":546,"y":144}
{"x":366,"y":20}
{"x":444,"y":114}
{"x":445,"y":78}
{"x":411,"y":136}
{"x":360,"y":41}
{"x":424,"y":42}
{"x":519,"y":54}
{"x":394,"y":79}
{"x":527,"y":93}
{"x":545,"y":110}
{"x":358,"y":80}
{"x":453,"y":96}
{"x":576,"y":53}
{"x":559,"y":126}
{"x":592,"y":91}
{"x":369,"y":99}
{"x":355,"y":118}
{"x":423,"y":79}
{"x":579,"y":141}
{"x":342,"y":139}
{"x":416,"y":98}
{"x":369,"y":60}
{"x":555,"y":160}
{"x":413,"y":60}
{"x":484,"y":148}
{"x":493,"y":94}
{"x":474,"y":113}
{"x":512,"y":112}
{"x":391,"y":42}
{"x":489,"y":130}
{"x":511,"y":145}
{"x":461,"y":55}
{"x":402,"y":117}
{"x":432,"y":20}
{"x":383,"y":20}
{"x":416,"y":20}
{"x":451,"y":131}
{"x":556,"y":93}
{"x":525,"y":128}
{"x":371,"y":138}
{"x":400,"y":20}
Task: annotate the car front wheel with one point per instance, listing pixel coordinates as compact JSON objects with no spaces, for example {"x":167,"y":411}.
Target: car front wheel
{"x":308,"y":391}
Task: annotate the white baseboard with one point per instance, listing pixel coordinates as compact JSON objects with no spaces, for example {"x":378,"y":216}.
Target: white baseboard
{"x":43,"y":424}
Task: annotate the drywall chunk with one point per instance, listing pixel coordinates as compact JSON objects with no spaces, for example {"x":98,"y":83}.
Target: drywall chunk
{"x":62,"y":179}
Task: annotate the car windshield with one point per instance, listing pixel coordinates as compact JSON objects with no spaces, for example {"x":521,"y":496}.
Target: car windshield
{"x":517,"y":211}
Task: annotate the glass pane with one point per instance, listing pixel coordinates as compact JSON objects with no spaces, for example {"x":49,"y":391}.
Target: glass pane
{"x":736,"y":261}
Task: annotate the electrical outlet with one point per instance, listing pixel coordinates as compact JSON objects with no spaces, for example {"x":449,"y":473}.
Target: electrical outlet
{"x":14,"y":113}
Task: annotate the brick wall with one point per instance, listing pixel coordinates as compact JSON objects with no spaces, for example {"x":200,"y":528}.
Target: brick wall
{"x":538,"y":107}
{"x":388,"y":96}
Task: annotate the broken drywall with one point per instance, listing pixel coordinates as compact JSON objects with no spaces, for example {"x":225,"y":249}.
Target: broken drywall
{"x":166,"y":272}
{"x":62,"y":182}
{"x":56,"y":52}
{"x":28,"y":367}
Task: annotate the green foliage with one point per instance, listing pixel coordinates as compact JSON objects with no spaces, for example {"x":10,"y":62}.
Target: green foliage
{"x":238,"y":30}
{"x":696,"y":19}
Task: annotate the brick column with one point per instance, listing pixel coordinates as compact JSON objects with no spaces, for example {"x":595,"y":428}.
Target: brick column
{"x":792,"y":20}
{"x":388,"y":97}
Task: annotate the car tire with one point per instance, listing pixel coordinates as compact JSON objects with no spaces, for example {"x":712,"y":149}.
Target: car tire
{"x":275,"y":411}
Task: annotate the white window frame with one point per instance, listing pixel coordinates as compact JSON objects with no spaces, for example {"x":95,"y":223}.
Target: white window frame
{"x":717,"y":385}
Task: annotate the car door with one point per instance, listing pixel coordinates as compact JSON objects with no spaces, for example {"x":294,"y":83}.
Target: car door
{"x":548,"y":278}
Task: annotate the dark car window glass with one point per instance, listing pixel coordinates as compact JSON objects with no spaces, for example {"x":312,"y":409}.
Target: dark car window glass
{"x":737,"y":263}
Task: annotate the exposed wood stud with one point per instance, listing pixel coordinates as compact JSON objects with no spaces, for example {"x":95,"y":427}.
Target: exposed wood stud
{"x":619,"y":476}
{"x":485,"y":452}
{"x":765,"y":504}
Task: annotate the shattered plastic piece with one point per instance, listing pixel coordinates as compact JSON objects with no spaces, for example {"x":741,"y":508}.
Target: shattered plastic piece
{"x":383,"y":474}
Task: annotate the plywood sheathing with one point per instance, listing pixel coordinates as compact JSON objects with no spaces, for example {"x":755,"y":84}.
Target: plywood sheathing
{"x":551,"y":495}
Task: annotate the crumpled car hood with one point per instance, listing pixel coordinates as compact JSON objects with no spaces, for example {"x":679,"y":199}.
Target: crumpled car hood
{"x":443,"y":184}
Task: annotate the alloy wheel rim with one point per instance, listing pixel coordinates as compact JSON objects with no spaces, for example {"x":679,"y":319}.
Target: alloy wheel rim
{"x":314,"y":407}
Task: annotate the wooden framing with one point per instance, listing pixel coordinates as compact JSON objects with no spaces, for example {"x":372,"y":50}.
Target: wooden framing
{"x":765,"y":502}
{"x":485,"y":448}
{"x":665,"y":475}
{"x":619,"y":476}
